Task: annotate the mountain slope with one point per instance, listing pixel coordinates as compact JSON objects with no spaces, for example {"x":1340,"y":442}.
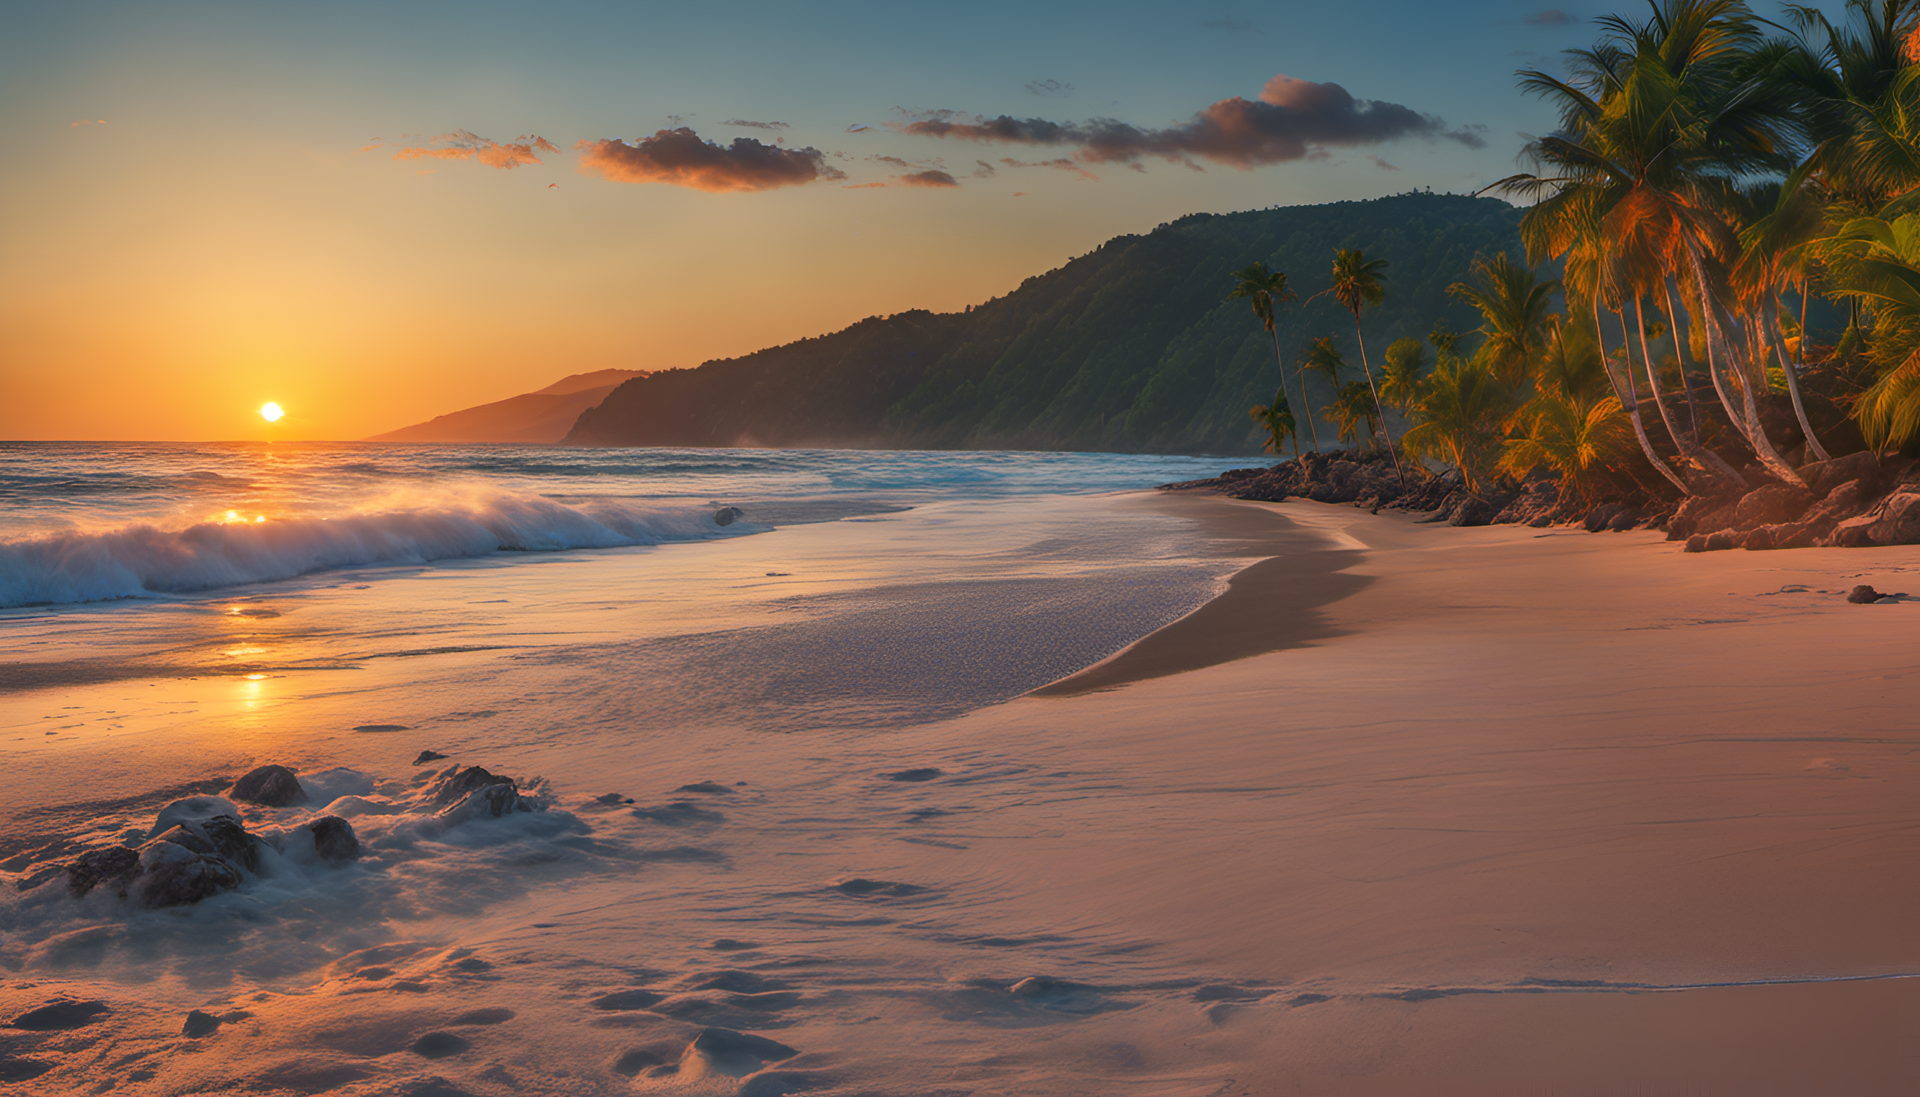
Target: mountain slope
{"x":1131,"y":347}
{"x":541,"y":416}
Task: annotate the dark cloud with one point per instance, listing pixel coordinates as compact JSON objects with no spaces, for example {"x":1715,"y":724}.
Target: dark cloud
{"x":929,"y":179}
{"x":742,"y":122}
{"x":1551,"y":17}
{"x":1292,"y":120}
{"x":462,"y":145}
{"x":1050,"y":88}
{"x":983,"y":170}
{"x":1383,"y":165}
{"x":681,"y":158}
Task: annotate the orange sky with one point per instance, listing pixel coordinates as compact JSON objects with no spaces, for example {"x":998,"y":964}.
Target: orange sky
{"x":191,"y":226}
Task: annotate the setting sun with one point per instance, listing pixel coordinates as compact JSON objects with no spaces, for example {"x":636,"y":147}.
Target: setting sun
{"x":271,"y":412}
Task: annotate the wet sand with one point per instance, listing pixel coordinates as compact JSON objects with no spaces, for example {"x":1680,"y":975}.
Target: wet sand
{"x":1479,"y":811}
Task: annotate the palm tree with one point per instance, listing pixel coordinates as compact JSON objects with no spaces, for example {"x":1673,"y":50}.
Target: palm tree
{"x":1358,"y":282}
{"x":1267,"y":290}
{"x":1400,"y":378}
{"x":1575,"y":436}
{"x":1514,"y":306}
{"x":1355,"y":405}
{"x":1277,"y":418}
{"x":1324,"y":358}
{"x":1878,"y":262}
{"x":1461,"y":419}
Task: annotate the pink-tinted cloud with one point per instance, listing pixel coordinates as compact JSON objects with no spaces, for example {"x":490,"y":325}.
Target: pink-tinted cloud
{"x":680,"y":158}
{"x":462,"y":145}
{"x":745,"y":124}
{"x":929,"y":179}
{"x":1291,"y":120}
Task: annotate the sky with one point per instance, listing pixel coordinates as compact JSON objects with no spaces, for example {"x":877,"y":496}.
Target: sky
{"x":372,"y":214}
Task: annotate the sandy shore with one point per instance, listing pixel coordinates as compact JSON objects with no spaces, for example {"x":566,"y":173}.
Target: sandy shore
{"x":1407,"y":810}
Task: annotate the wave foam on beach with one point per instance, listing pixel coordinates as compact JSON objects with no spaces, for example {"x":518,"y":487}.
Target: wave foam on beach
{"x":143,"y":559}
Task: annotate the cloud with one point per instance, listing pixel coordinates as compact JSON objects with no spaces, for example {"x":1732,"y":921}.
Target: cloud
{"x":1050,"y":89}
{"x":88,"y":122}
{"x":756,"y":125}
{"x":858,"y":127}
{"x":860,"y":186}
{"x":1550,"y":17}
{"x":462,"y":145}
{"x":929,"y":179}
{"x":1292,"y":120}
{"x":681,"y":158}
{"x":983,"y":170}
{"x":1382,"y":164}
{"x":1062,"y":164}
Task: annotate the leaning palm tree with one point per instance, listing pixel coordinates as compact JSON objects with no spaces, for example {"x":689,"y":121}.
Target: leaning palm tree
{"x":1267,"y":290}
{"x":1576,"y":436}
{"x":1357,"y":283}
{"x":1277,"y":419}
{"x":1354,"y":406}
{"x":1324,"y":359}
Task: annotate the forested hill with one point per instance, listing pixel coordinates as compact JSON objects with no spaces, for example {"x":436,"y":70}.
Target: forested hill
{"x":1130,"y":348}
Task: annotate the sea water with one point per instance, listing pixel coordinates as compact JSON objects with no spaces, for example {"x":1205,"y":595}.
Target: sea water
{"x":705,"y":716}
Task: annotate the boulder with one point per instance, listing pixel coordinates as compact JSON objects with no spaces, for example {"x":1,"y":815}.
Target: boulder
{"x":115,"y":866}
{"x":1600,"y":516}
{"x":1863,"y":595}
{"x":456,"y":784}
{"x":1823,"y":476}
{"x":333,"y":838}
{"x":1700,"y":512}
{"x":195,"y":859}
{"x":1840,"y":503}
{"x":1782,"y":536}
{"x":1625,"y":519}
{"x":1472,"y":511}
{"x":270,"y":786}
{"x":428,"y":756}
{"x":191,"y":809}
{"x":1897,"y":520}
{"x":1771,"y":505}
{"x":727,"y":516}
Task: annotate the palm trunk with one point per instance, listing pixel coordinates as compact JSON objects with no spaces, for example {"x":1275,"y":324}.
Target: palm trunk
{"x":1378,"y":410}
{"x":1682,"y":350}
{"x":1631,"y":400}
{"x":1771,"y":318}
{"x":1716,"y":335}
{"x":1306,"y":409}
{"x":1680,"y":441}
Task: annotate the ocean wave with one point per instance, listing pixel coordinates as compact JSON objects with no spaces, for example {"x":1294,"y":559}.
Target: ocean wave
{"x":143,"y":560}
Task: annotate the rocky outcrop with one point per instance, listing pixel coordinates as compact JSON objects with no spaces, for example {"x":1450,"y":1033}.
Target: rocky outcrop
{"x":473,"y":793}
{"x":270,"y":786}
{"x":198,"y":849}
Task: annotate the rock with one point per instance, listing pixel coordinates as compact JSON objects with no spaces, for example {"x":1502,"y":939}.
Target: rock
{"x":1597,"y":518}
{"x":709,"y":787}
{"x":200,"y":1024}
{"x":173,"y":873}
{"x":1720,"y":542}
{"x":1863,"y":595}
{"x":189,"y":809}
{"x":1771,"y":505}
{"x":456,"y":784}
{"x":1624,"y":519}
{"x":1696,"y":543}
{"x":1823,"y":476}
{"x":115,"y":866}
{"x":428,"y":756}
{"x":270,"y":786}
{"x":333,"y":838}
{"x":487,"y":802}
{"x":1783,"y":536}
{"x":727,"y":516}
{"x":60,"y":1016}
{"x":1472,"y":511}
{"x":1897,"y":520}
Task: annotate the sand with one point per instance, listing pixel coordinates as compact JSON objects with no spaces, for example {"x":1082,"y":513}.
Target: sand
{"x":1407,"y":810}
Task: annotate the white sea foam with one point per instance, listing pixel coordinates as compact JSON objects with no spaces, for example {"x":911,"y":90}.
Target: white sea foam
{"x":143,"y":559}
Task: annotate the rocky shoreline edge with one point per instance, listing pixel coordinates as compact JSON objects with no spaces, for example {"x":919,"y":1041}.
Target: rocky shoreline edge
{"x":1859,"y":500}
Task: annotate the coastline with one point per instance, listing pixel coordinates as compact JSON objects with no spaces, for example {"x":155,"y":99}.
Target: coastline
{"x":1503,"y":810}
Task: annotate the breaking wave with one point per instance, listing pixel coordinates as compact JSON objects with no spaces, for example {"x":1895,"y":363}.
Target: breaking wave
{"x":142,"y":559}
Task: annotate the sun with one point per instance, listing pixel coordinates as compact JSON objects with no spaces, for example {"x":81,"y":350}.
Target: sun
{"x":271,"y":412}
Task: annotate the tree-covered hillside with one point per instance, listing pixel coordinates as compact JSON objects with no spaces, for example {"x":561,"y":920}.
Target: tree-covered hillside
{"x":1131,"y":347}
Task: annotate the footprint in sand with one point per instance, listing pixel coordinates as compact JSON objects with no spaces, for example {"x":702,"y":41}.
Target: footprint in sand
{"x":622,"y":1000}
{"x":59,"y":1016}
{"x":493,"y":1015}
{"x":439,"y":1045}
{"x":862,"y":888}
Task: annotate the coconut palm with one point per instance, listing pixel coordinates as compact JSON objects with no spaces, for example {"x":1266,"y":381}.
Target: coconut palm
{"x":1514,"y":305}
{"x":1879,"y":263}
{"x":1267,"y":291}
{"x":1353,"y":407}
{"x":1575,"y":436}
{"x":1357,"y":283}
{"x":1277,"y":419}
{"x":1461,"y":419}
{"x":1400,"y":378}
{"x":1324,"y":359}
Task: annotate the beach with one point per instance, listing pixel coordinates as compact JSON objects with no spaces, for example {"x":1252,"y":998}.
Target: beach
{"x":1348,"y":805}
